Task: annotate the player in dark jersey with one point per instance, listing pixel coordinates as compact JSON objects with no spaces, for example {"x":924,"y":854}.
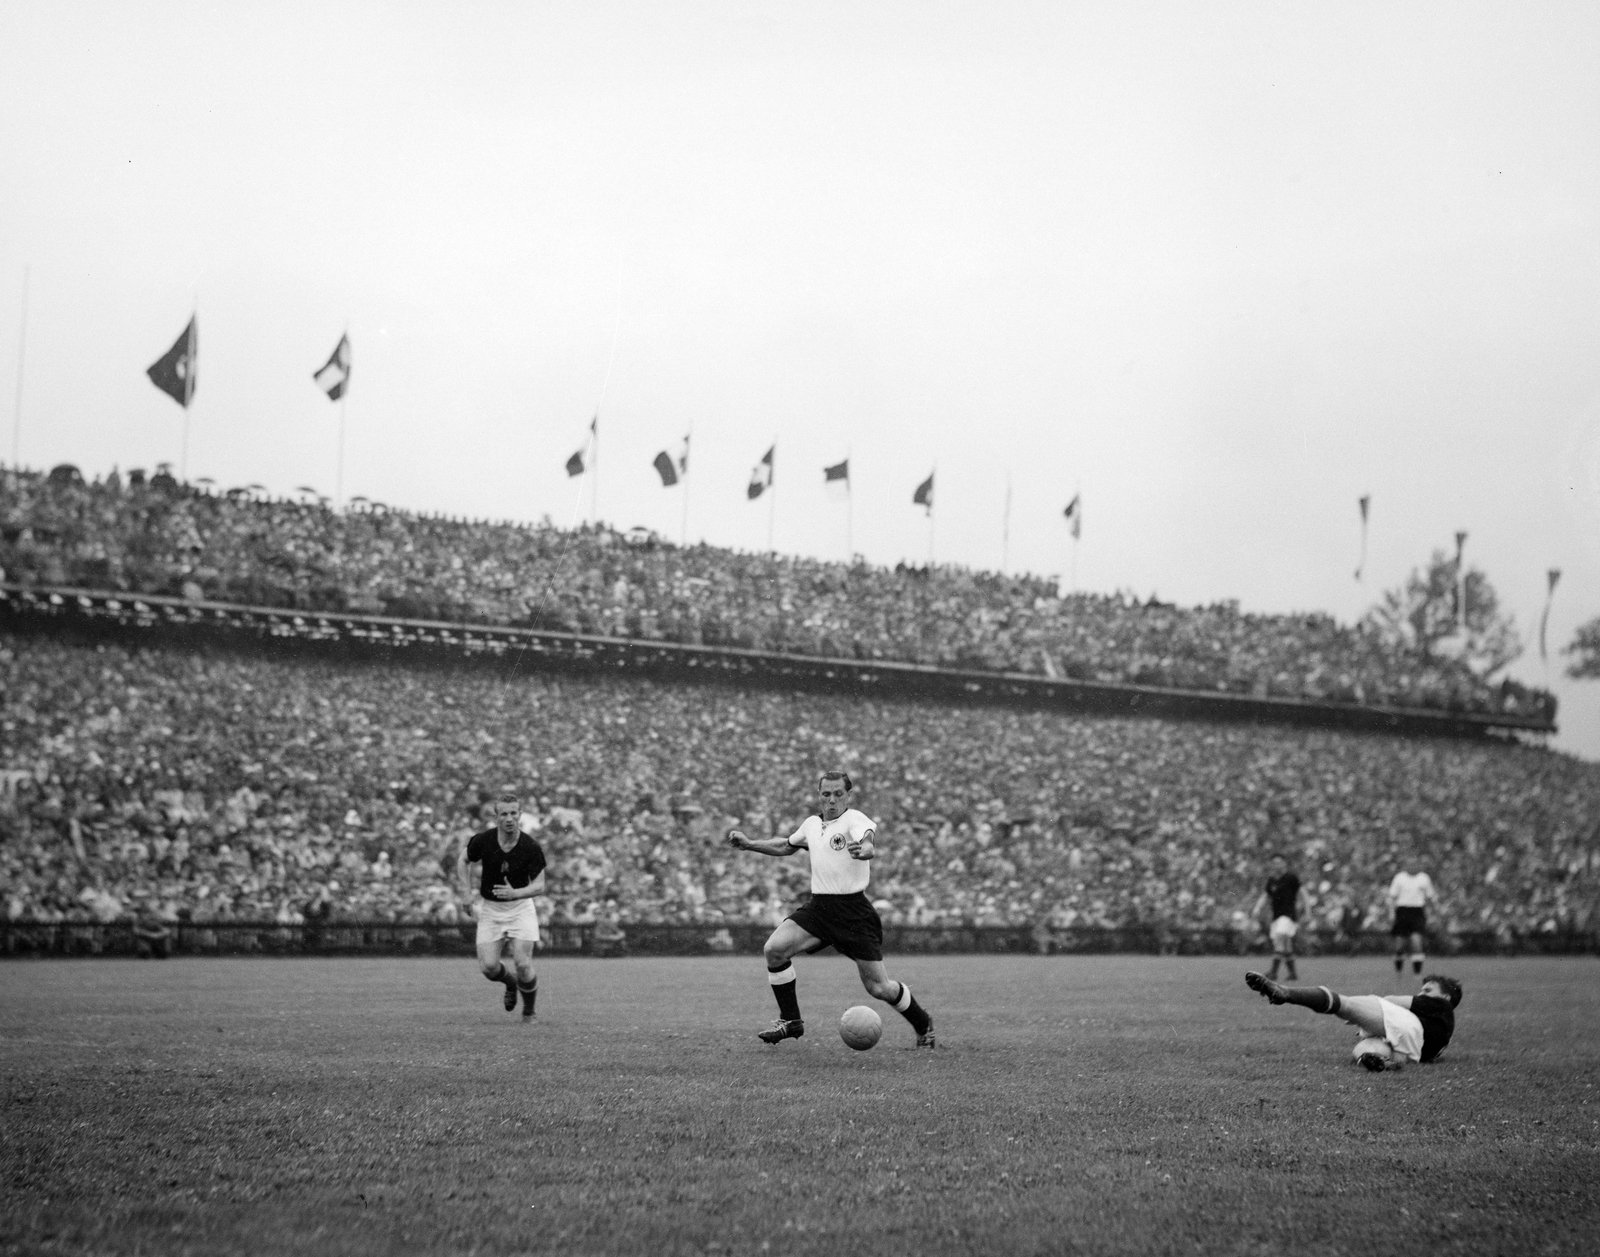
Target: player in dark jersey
{"x":1286,"y":900}
{"x":510,"y":876}
{"x":1395,"y":1028}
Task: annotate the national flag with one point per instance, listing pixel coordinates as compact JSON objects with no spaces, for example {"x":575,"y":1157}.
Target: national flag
{"x":761,"y":476}
{"x":924,"y":494}
{"x":1553,"y":575}
{"x":1365,"y":500}
{"x":839,"y":471}
{"x":1074,"y":516}
{"x":577,"y":465}
{"x":175,"y":372}
{"x":670,"y":470}
{"x":334,"y":377}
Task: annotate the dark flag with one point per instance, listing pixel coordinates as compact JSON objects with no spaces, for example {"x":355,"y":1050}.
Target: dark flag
{"x":839,"y":471}
{"x":175,"y":371}
{"x":576,"y":465}
{"x":1074,"y":515}
{"x":761,"y":476}
{"x":671,"y":472}
{"x":924,"y":494}
{"x":334,"y":377}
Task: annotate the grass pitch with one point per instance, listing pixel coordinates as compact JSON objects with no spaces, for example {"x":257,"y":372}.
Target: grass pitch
{"x":1096,"y":1105}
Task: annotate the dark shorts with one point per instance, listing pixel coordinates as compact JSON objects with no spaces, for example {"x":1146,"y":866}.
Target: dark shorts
{"x":1409,"y":921}
{"x":847,"y":923}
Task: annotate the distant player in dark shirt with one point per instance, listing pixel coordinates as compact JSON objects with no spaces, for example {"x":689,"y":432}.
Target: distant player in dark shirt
{"x":1285,"y":900}
{"x":1395,"y":1028}
{"x":510,"y":876}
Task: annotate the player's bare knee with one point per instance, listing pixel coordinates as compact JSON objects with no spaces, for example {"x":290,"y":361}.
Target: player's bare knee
{"x":886,"y":990}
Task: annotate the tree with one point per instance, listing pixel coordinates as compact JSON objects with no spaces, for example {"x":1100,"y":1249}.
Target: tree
{"x":1424,"y":616}
{"x":1585,"y":651}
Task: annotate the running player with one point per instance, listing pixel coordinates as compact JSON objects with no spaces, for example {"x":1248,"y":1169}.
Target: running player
{"x":1286,"y":899}
{"x":512,"y":874}
{"x":839,"y":914}
{"x":1410,"y":894}
{"x":1396,"y":1028}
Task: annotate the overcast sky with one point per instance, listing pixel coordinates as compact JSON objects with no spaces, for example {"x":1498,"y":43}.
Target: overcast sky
{"x":1221,"y":268}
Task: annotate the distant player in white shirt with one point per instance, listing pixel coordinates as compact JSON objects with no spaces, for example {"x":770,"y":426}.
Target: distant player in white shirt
{"x":1409,"y":896}
{"x":839,"y":915}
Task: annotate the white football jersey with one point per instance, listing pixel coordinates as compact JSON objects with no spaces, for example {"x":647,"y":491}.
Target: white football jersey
{"x":1410,"y":890}
{"x":833,"y":871}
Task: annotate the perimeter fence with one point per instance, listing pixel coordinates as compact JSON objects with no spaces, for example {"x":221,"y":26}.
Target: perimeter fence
{"x":390,"y":938}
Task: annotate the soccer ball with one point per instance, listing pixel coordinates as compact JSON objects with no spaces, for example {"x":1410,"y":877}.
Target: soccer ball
{"x":860,"y":1027}
{"x":1372,"y":1053}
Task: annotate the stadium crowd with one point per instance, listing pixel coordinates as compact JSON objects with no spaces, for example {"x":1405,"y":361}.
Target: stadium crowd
{"x":229,"y":786}
{"x":153,"y":535}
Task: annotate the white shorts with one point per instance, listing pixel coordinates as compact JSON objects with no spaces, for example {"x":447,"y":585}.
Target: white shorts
{"x":1401,"y":1029}
{"x":515,"y":918}
{"x":1282,"y":929}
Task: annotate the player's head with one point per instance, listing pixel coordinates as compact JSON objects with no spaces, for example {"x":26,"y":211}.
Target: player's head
{"x":833,"y":788}
{"x":1443,"y":988}
{"x":507,"y":810}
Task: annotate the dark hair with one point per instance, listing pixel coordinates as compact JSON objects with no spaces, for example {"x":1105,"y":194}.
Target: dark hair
{"x":836,"y":774}
{"x":1449,"y":986}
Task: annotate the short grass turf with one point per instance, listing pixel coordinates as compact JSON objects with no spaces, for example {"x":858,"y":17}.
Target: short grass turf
{"x":1097,"y":1105}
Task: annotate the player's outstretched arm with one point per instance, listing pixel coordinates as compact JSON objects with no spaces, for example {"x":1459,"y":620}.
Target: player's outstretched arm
{"x":741,"y":841}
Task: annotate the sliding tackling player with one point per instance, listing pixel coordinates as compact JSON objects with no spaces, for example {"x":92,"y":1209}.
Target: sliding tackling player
{"x":511,"y":876}
{"x":1394,"y":1028}
{"x":839,"y":914}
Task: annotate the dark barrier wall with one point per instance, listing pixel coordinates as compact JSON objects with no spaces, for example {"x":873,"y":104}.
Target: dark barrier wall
{"x":387,"y":938}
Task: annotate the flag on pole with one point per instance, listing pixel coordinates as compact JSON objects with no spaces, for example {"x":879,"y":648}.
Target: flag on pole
{"x":576,"y":465}
{"x":1074,"y":516}
{"x":672,"y":470}
{"x":174,"y":373}
{"x":837,"y":478}
{"x":1553,"y":576}
{"x":1363,"y":501}
{"x":761,"y":476}
{"x":334,"y":377}
{"x":924,"y":494}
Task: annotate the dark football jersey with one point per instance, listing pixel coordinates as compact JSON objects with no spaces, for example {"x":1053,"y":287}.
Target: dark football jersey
{"x":1438,"y":1023}
{"x":1282,"y":891}
{"x":517,"y":867}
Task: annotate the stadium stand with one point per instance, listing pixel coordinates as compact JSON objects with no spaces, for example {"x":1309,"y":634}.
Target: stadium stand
{"x":155,"y":536}
{"x":206,"y":787}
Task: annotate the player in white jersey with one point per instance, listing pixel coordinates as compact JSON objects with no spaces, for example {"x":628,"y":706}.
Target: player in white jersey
{"x":839,"y":915}
{"x":1409,"y":896}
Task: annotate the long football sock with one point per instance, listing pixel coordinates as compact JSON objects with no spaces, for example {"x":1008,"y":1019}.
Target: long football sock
{"x":1289,"y":971}
{"x":1319,"y":999}
{"x":530,"y":992}
{"x":1418,"y":959}
{"x":499,"y":975}
{"x":906,"y":1005}
{"x":783,"y":987}
{"x":1273,"y":972}
{"x":1399,"y":962}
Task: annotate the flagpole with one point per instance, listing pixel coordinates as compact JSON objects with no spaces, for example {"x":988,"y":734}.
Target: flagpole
{"x":772,"y":493}
{"x":932,"y":500}
{"x":22,"y":349}
{"x":338,"y":475}
{"x":683,"y":526}
{"x":594,"y":497}
{"x":849,"y":512}
{"x":1005,"y":530}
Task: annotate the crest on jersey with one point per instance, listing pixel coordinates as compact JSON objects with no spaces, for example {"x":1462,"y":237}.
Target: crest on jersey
{"x":837,"y":842}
